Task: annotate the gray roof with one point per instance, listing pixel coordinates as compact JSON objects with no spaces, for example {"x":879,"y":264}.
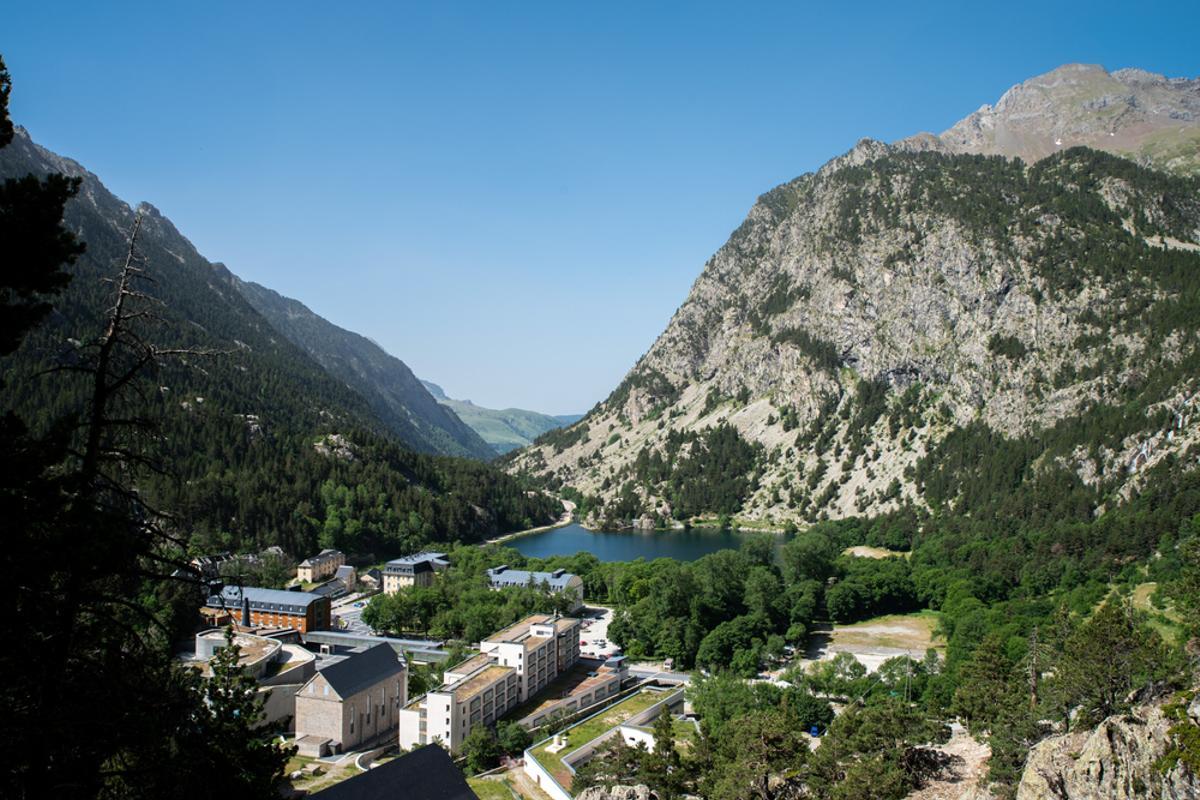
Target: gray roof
{"x":263,"y":599}
{"x":361,"y":670}
{"x":503,"y":576}
{"x":427,"y":773}
{"x":417,"y":562}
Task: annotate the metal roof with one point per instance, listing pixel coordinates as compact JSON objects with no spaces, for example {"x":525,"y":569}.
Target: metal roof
{"x":361,"y":670}
{"x":503,"y":576}
{"x":262,"y":599}
{"x":427,"y":773}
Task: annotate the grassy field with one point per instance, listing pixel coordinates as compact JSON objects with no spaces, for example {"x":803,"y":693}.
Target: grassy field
{"x":584,"y":732}
{"x":490,"y":788}
{"x":1165,"y":621}
{"x":313,"y":783}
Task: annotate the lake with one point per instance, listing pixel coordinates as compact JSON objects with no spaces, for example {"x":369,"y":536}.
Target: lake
{"x":682,"y":545}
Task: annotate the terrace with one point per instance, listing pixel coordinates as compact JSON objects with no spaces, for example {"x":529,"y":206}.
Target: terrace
{"x":582,"y":733}
{"x":575,"y":681}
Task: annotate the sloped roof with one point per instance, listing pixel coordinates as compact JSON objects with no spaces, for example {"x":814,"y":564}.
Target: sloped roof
{"x":262,"y":599}
{"x":360,"y":670}
{"x":503,"y":576}
{"x":426,"y":773}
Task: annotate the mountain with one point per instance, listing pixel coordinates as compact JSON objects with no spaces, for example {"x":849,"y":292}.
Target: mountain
{"x":1145,"y":117}
{"x":914,"y":325}
{"x":396,"y":396}
{"x":259,"y":445}
{"x":503,"y":429}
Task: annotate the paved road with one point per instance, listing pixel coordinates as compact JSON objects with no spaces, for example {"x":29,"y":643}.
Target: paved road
{"x":349,"y":620}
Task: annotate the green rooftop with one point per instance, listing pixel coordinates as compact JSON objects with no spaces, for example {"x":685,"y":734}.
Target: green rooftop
{"x":583,"y":732}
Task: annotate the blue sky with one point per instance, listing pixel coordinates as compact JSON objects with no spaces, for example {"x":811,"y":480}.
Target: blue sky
{"x":514,"y":197}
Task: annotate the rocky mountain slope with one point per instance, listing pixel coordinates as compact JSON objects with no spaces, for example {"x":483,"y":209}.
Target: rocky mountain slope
{"x":1148,"y":118}
{"x":396,"y":396}
{"x":914,"y":325}
{"x":1124,"y":758}
{"x":503,"y":429}
{"x":258,"y":444}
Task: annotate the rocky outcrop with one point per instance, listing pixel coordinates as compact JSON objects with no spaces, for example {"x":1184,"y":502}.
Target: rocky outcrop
{"x":1118,"y":760}
{"x":616,"y":793}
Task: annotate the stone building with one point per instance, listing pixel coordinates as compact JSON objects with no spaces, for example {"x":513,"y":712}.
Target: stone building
{"x":321,"y":566}
{"x":413,"y":570}
{"x":352,"y":702}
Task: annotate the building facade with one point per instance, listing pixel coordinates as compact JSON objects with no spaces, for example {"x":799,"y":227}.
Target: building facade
{"x":418,"y":569}
{"x":353,"y":702}
{"x":557,"y":581}
{"x":321,"y":566}
{"x":512,"y":666}
{"x":251,"y":606}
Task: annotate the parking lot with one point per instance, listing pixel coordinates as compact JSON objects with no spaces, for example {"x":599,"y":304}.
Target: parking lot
{"x":348,"y":618}
{"x":595,"y":630}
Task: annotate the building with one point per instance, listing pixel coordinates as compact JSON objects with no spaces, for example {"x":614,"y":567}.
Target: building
{"x":477,"y":691}
{"x":600,"y":684}
{"x":347,"y":575}
{"x":539,"y":647}
{"x":371,"y":580}
{"x":558,"y":581}
{"x":426,"y":773}
{"x":552,"y":762}
{"x":210,"y":566}
{"x":351,"y":702}
{"x":417,"y":569}
{"x":320,"y":566}
{"x":278,"y":666}
{"x":511,"y":667}
{"x":251,"y":606}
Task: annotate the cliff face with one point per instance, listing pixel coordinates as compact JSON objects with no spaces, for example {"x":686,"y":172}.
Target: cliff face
{"x":900,"y":295}
{"x":1119,"y":760}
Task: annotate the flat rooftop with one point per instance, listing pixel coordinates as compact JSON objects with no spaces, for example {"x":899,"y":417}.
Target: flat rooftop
{"x":468,"y":688}
{"x":471,"y":664}
{"x":519,"y":631}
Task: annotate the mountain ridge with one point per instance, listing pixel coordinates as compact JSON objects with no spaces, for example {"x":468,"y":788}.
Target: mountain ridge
{"x":399,"y":398}
{"x":259,"y":445}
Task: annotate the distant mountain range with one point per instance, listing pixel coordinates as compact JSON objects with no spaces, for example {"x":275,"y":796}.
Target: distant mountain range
{"x":945,"y":322}
{"x":503,"y":429}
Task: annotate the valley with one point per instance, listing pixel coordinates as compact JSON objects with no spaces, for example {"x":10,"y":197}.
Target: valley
{"x":903,"y":502}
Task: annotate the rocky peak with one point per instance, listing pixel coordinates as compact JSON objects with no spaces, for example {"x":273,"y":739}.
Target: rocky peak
{"x":1131,"y":112}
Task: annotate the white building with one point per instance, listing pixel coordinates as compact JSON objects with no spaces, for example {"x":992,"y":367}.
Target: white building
{"x":513,"y":665}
